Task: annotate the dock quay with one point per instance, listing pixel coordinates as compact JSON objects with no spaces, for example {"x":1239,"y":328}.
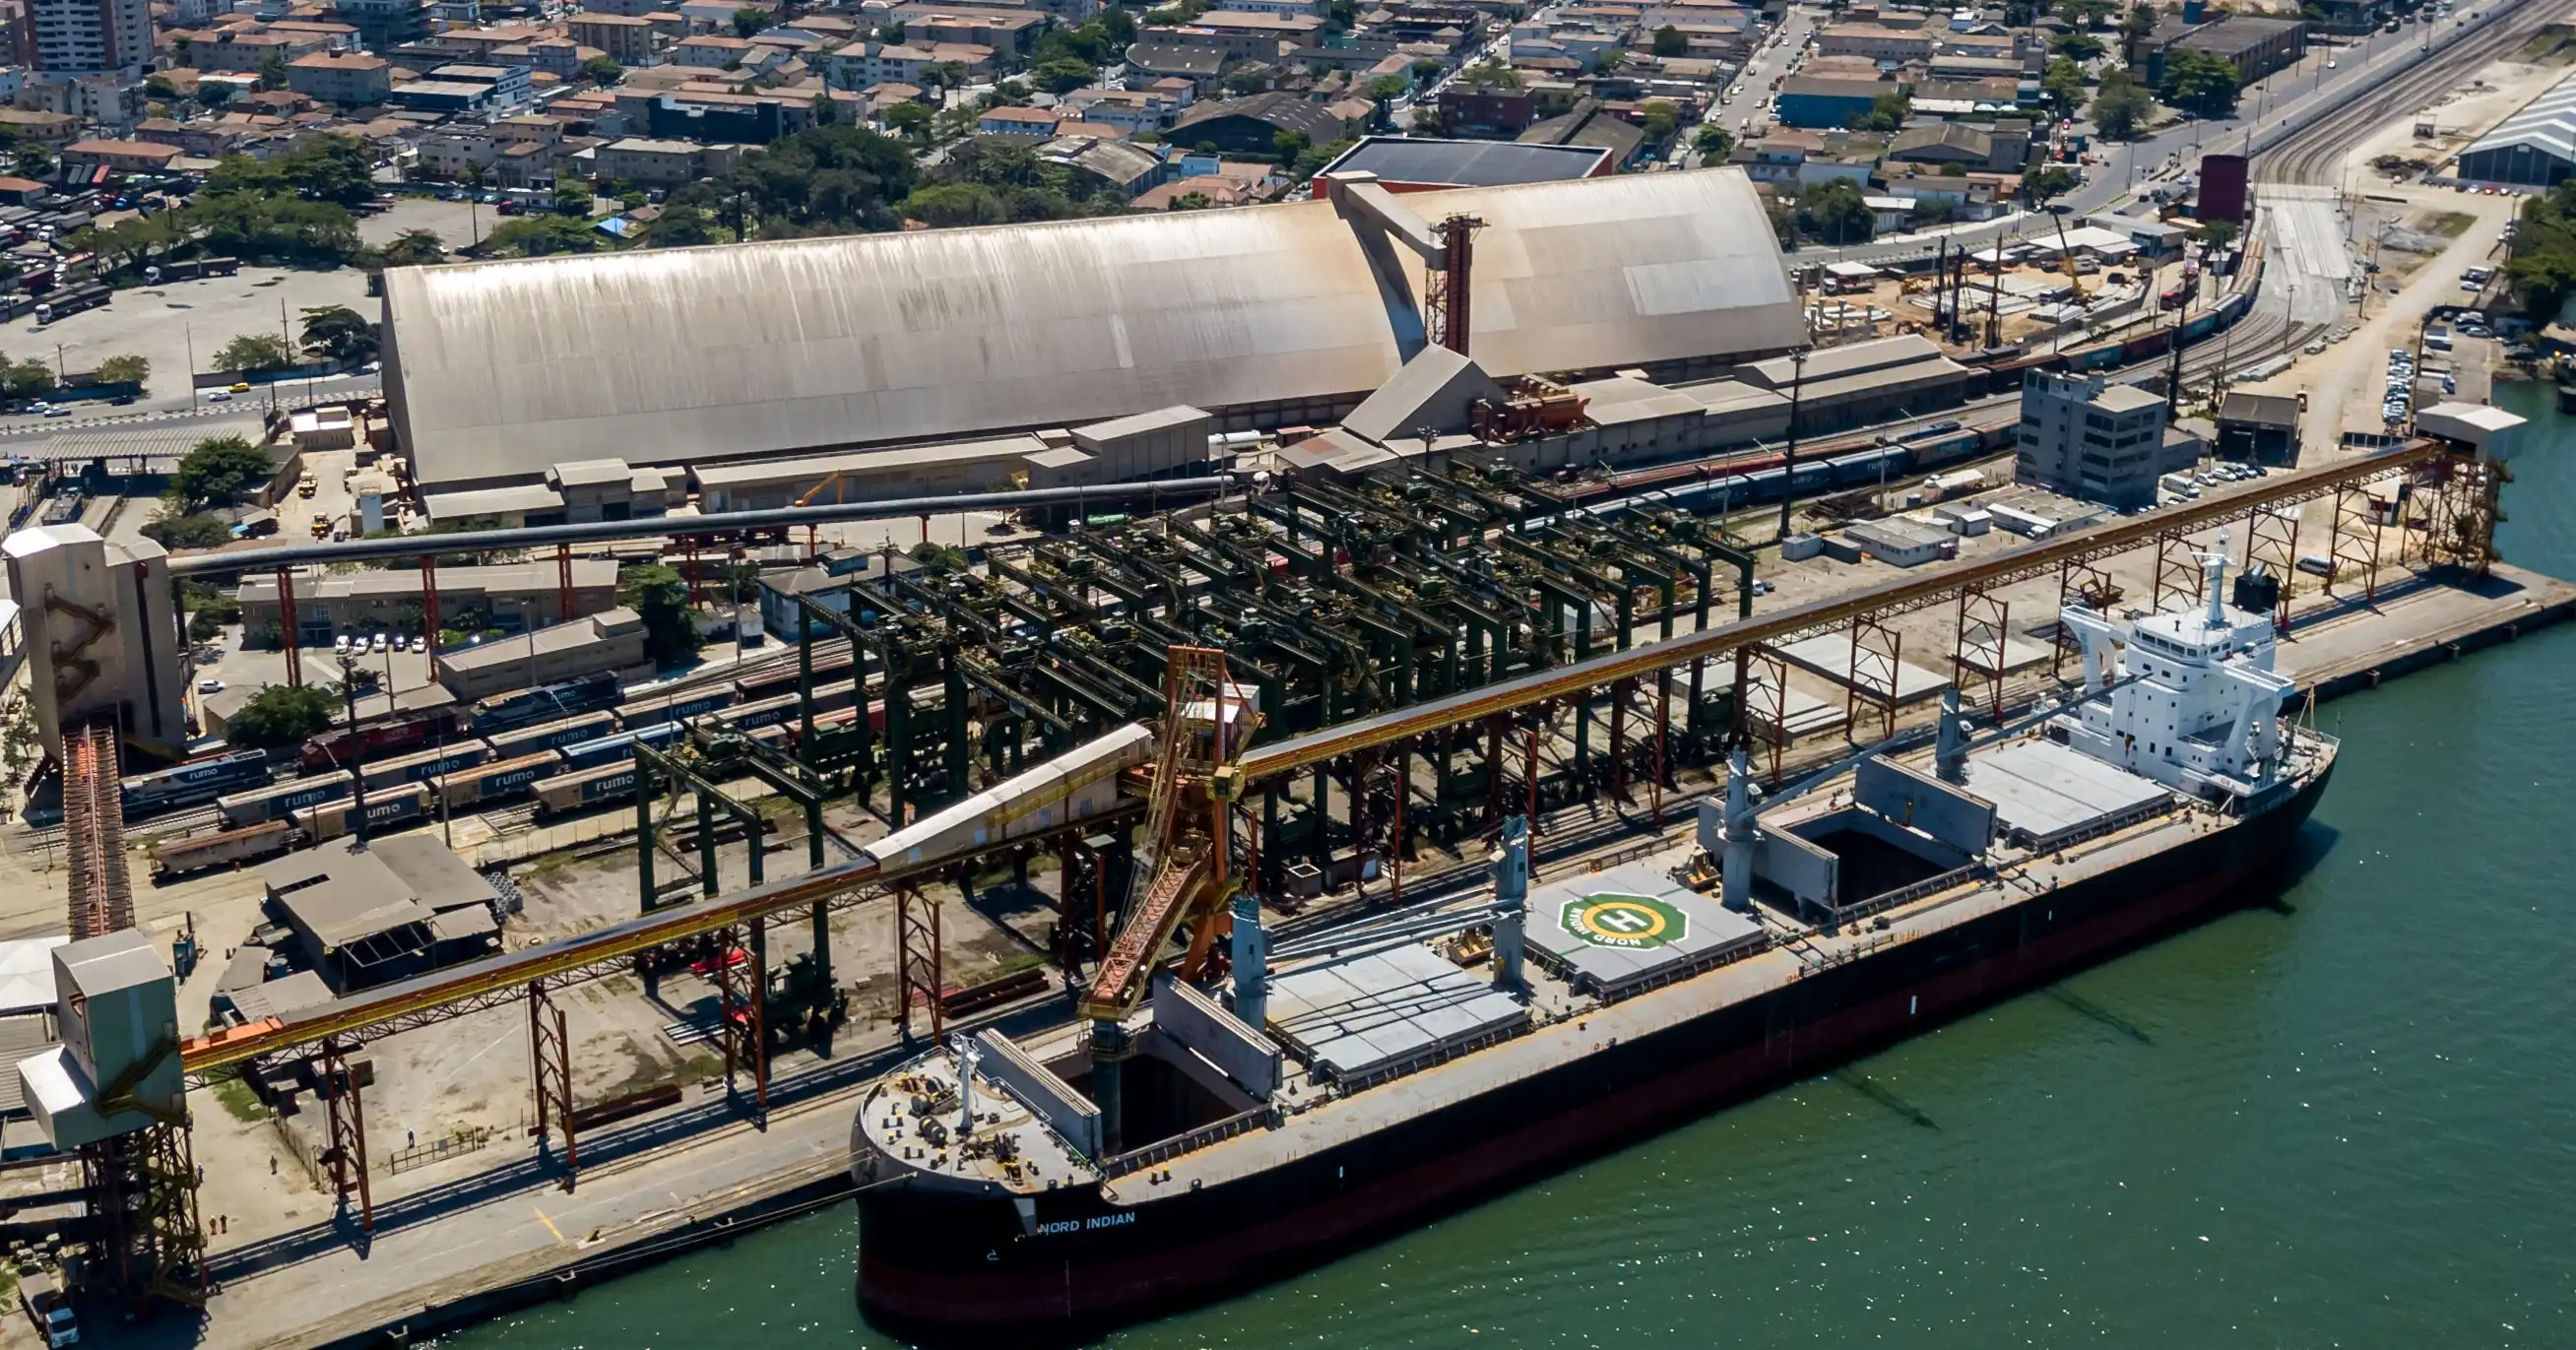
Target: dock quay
{"x":513,"y":1237}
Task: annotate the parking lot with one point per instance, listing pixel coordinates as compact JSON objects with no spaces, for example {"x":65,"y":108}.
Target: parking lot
{"x":163,"y":324}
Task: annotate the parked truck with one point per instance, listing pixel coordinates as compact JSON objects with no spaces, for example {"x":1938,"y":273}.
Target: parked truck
{"x":41,"y":1294}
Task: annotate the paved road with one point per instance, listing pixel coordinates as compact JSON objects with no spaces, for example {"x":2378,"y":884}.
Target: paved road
{"x":2269,"y":112}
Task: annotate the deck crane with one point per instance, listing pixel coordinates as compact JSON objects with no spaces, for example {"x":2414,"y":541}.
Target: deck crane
{"x":1207,"y":722}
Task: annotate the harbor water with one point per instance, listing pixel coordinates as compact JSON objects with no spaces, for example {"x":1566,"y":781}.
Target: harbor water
{"x":2345,"y":1116}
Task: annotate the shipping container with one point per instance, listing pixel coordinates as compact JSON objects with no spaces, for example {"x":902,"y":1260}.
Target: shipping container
{"x":178,"y":857}
{"x":496,"y":781}
{"x":681,"y":706}
{"x":282,"y":800}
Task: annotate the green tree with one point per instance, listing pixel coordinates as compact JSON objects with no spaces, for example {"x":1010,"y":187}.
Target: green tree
{"x":339,"y":333}
{"x":254,"y":354}
{"x":1288,"y":145}
{"x":751,"y":19}
{"x":1660,"y":120}
{"x":272,"y":72}
{"x":1491,"y":75}
{"x":127,"y":369}
{"x":946,"y":205}
{"x":1833,"y":212}
{"x":2199,"y":82}
{"x":1386,"y":88}
{"x":602,"y":71}
{"x":2542,"y":269}
{"x":2047,"y":181}
{"x":2077,"y":46}
{"x":220,"y":471}
{"x":414,"y":248}
{"x":542,"y":236}
{"x":680,"y":225}
{"x":1887,"y":112}
{"x":574,"y":197}
{"x":1247,"y":77}
{"x":1424,"y":70}
{"x":1670,"y":42}
{"x":2218,"y":234}
{"x":661,"y":599}
{"x":1713,"y":142}
{"x":910,"y":121}
{"x":33,"y":160}
{"x":2121,"y":106}
{"x":1061,"y":74}
{"x":2137,"y":25}
{"x":189,"y":531}
{"x":24,"y":380}
{"x":281,"y":716}
{"x":2063,"y":84}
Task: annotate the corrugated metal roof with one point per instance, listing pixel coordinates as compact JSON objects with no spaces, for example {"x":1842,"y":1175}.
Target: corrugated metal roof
{"x":2547,"y":124}
{"x":497,"y":370}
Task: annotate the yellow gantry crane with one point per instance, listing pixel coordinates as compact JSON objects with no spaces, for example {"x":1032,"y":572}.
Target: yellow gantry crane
{"x":1207,"y":722}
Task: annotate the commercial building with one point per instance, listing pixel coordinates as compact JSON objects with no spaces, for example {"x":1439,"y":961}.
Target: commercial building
{"x":2094,"y":440}
{"x":512,"y":595}
{"x":2536,"y":147}
{"x":386,"y":24}
{"x":1252,"y":126}
{"x":1265,"y":316}
{"x":119,"y":156}
{"x":612,"y":640}
{"x":1824,"y":101}
{"x":2255,"y":46}
{"x":1423,"y":163}
{"x":2263,"y":428}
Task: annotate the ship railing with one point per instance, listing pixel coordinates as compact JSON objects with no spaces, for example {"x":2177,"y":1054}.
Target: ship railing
{"x":1906,"y":895}
{"x":1652,"y":844}
{"x":1262,"y":1117}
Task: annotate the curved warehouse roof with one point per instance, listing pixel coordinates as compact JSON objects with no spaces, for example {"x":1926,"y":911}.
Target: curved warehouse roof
{"x":495,"y":371}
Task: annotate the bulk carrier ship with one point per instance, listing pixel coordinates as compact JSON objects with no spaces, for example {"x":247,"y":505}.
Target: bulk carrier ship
{"x":1350,"y":1084}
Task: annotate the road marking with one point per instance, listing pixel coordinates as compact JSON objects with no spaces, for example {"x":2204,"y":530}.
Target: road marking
{"x":549,"y":1223}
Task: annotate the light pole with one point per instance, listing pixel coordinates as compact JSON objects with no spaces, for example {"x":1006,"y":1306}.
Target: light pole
{"x":357,"y":769}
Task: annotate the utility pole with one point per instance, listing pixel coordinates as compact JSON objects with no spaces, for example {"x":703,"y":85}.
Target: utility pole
{"x":357,"y":770}
{"x":1789,"y":459}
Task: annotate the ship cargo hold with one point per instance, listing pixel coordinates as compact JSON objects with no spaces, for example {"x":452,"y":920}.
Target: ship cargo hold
{"x":1359,"y":1079}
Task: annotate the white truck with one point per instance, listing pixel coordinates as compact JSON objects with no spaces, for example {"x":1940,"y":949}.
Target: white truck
{"x":41,"y":1294}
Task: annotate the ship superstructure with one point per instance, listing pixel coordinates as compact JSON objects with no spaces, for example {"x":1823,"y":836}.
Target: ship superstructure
{"x":1341,"y":1084}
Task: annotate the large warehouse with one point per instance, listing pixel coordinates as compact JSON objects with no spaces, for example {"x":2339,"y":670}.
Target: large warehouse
{"x":2536,"y":147}
{"x":496,"y":373}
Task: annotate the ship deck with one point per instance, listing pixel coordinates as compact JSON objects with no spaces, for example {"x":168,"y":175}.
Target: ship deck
{"x":1733,"y":959}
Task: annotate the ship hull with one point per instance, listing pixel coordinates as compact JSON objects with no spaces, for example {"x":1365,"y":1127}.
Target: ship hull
{"x":934,"y":1261}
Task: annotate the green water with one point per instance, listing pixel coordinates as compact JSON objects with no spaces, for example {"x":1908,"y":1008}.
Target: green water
{"x":2345,"y":1120}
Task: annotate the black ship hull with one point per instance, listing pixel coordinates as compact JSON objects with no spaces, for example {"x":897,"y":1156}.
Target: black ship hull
{"x":941,"y":1263}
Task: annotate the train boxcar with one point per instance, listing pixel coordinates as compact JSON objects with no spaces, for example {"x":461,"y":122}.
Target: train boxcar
{"x":496,"y":781}
{"x":333,"y":819}
{"x":281,"y":801}
{"x":546,"y":702}
{"x":770,"y":684}
{"x":620,"y":747}
{"x":427,"y":764}
{"x":683,"y":706}
{"x":194,"y":783}
{"x":586,"y":788}
{"x":399,"y":734}
{"x":767,"y":712}
{"x":551,"y":735}
{"x":178,"y":857}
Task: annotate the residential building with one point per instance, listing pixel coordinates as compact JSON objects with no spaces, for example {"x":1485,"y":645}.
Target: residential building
{"x":862,"y":64}
{"x":1590,"y":124}
{"x":1129,"y":110}
{"x":1013,"y":121}
{"x":2086,"y":437}
{"x":1201,"y":66}
{"x":628,"y":40}
{"x":91,"y":37}
{"x":1240,"y":37}
{"x":651,"y":163}
{"x":386,"y":24}
{"x":1502,"y":113}
{"x":243,"y":51}
{"x":350,"y":79}
{"x":118,"y":156}
{"x":711,"y":51}
{"x":1009,"y":32}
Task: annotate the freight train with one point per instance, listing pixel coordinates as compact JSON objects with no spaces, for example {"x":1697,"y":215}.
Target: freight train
{"x":194,"y":783}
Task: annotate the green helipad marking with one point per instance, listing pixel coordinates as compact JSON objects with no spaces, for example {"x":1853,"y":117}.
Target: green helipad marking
{"x":1614,"y":920}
